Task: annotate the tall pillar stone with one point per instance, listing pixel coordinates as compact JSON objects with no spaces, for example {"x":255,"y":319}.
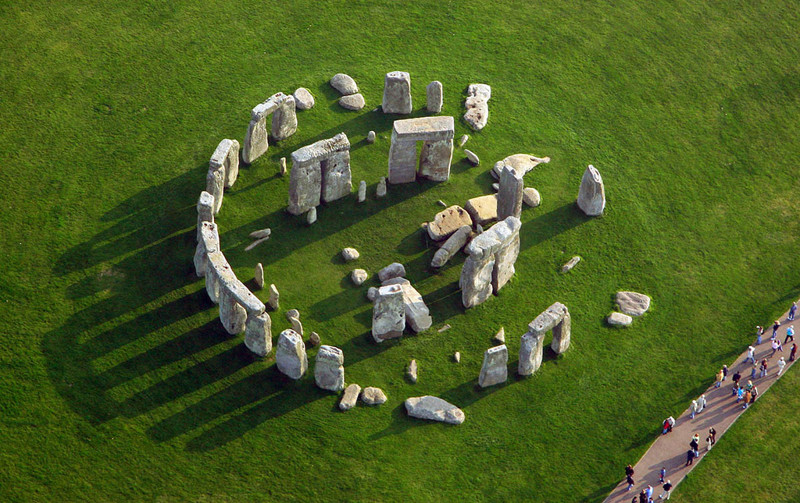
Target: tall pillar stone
{"x":232,"y":315}
{"x":226,"y":157}
{"x":402,"y":161}
{"x":274,"y":297}
{"x":509,"y":197}
{"x":205,"y":211}
{"x":437,"y":133}
{"x":592,"y":194}
{"x":329,"y":369}
{"x":388,"y":313}
{"x":290,"y":354}
{"x":284,"y":119}
{"x":507,"y":232}
{"x":495,"y":366}
{"x":336,"y":177}
{"x":434,"y":95}
{"x":320,"y":172}
{"x":215,"y":185}
{"x":397,"y":93}
{"x":530,"y":354}
{"x":209,"y":243}
{"x":258,"y":334}
{"x":476,"y":275}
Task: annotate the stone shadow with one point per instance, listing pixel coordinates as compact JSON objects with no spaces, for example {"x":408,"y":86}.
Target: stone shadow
{"x":550,"y":225}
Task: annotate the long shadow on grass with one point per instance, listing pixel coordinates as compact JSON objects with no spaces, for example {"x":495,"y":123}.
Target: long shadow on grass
{"x":550,"y":225}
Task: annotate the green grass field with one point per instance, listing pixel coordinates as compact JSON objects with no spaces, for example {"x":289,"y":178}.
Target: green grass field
{"x":118,"y":381}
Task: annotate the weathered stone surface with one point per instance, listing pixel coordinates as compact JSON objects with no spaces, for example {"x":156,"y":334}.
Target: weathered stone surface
{"x":284,"y":124}
{"x":284,"y":119}
{"x":633,"y":303}
{"x":358,"y":276}
{"x":482,"y":209}
{"x":496,"y":187}
{"x":258,"y":275}
{"x":463,"y":140}
{"x":480,"y":90}
{"x":531,"y":197}
{"x":435,"y":159}
{"x":344,"y":84}
{"x":521,"y":163}
{"x":371,"y":137}
{"x":352,"y":102}
{"x":328,"y":369}
{"x":282,"y":166}
{"x":412,"y":371}
{"x":303,"y":98}
{"x":530,"y":354}
{"x":292,"y":313}
{"x":380,"y":190}
{"x":205,"y":211}
{"x":472,"y":157}
{"x":447,"y":221}
{"x":509,"y":197}
{"x":274,"y":297}
{"x":373,"y":396}
{"x":477,"y":114}
{"x":490,"y":264}
{"x":226,"y":157}
{"x":393,"y":270}
{"x":500,"y":336}
{"x":297,"y":325}
{"x":372,"y":294}
{"x":452,"y":246}
{"x":507,"y":232}
{"x":215,"y":185}
{"x":397,"y":93}
{"x":444,"y":328}
{"x":457,"y":357}
{"x":434,"y":95}
{"x":336,"y":176}
{"x":570,"y":264}
{"x":349,"y":397}
{"x":314,"y":339}
{"x":362,"y":191}
{"x":258,"y":334}
{"x":434,"y":409}
{"x":555,"y":318}
{"x":311,"y":216}
{"x":320,"y":172}
{"x":592,"y":194}
{"x":388,"y":313}
{"x":290,"y":354}
{"x":209,"y":243}
{"x":437,"y":152}
{"x":261,"y":233}
{"x":619,"y":319}
{"x":235,"y":299}
{"x":418,"y":316}
{"x":424,"y":129}
{"x":495,"y":366}
{"x":350,"y":254}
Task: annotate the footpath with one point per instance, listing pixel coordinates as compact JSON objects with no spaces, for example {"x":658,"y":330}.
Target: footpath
{"x":721,"y":412}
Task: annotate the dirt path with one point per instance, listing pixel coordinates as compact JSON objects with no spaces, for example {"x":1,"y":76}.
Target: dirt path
{"x":721,"y":412}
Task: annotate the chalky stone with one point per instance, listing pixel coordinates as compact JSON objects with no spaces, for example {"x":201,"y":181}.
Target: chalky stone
{"x":380,"y":190}
{"x":530,"y":354}
{"x":303,"y":98}
{"x":570,"y":264}
{"x":412,"y":371}
{"x":592,"y":194}
{"x":452,"y":246}
{"x":393,"y":270}
{"x":448,"y":221}
{"x":344,"y":84}
{"x":482,"y":209}
{"x":350,"y":396}
{"x":434,"y":95}
{"x":509,"y":197}
{"x":358,"y":276}
{"x":350,"y":254}
{"x":352,"y":102}
{"x":495,"y":366}
{"x":371,"y":137}
{"x":531,"y":197}
{"x":397,"y":93}
{"x":290,"y":354}
{"x":373,"y":396}
{"x":274,"y":297}
{"x":633,"y":303}
{"x":619,"y":319}
{"x":418,"y":316}
{"x":521,"y":163}
{"x":434,"y":409}
{"x":362,"y":191}
{"x":311,"y":216}
{"x":477,"y":114}
{"x":388,"y":313}
{"x":258,"y":334}
{"x":472,"y":157}
{"x":329,"y":369}
{"x":259,"y":275}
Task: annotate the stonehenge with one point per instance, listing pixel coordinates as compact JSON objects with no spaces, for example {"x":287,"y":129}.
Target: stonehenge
{"x":555,"y":318}
{"x":522,"y":163}
{"x":290,"y":355}
{"x":454,"y":243}
{"x":509,"y":197}
{"x":436,"y":133}
{"x":495,"y":366}
{"x":490,"y":261}
{"x":393,"y":270}
{"x":434,"y":409}
{"x":373,"y":396}
{"x":320,"y":173}
{"x":633,"y":303}
{"x":328,"y":369}
{"x":477,"y":114}
{"x":349,"y":397}
{"x":205,"y":211}
{"x":226,"y":157}
{"x":418,"y":316}
{"x":448,"y":221}
{"x":303,"y":98}
{"x":397,"y":93}
{"x":274,"y":297}
{"x":592,"y":194}
{"x":482,"y":209}
{"x":282,"y":107}
{"x":388,"y":313}
{"x":434,"y":97}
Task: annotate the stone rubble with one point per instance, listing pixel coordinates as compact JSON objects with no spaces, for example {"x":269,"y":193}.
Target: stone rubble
{"x":418,"y":316}
{"x":531,"y":197}
{"x":372,"y":294}
{"x":457,"y":357}
{"x":353,"y":102}
{"x":619,"y":319}
{"x":303,"y":98}
{"x":255,"y":243}
{"x":380,"y":190}
{"x":412,"y":371}
{"x":358,"y":276}
{"x":472,"y":157}
{"x":282,"y":166}
{"x":261,"y":233}
{"x":453,"y":245}
{"x":482,"y":209}
{"x":500,"y":336}
{"x":371,"y":137}
{"x":373,"y":396}
{"x":344,"y":84}
{"x":490,"y":261}
{"x":393,"y":270}
{"x":521,"y":163}
{"x":477,"y":114}
{"x":463,"y":140}
{"x":570,"y":264}
{"x":314,"y":339}
{"x":311,"y":216}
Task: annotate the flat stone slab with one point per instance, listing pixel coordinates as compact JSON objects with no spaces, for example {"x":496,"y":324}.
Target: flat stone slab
{"x":482,"y":209}
{"x":350,"y":396}
{"x":570,"y":264}
{"x":434,"y":409}
{"x":619,"y":319}
{"x":633,"y":303}
{"x":425,"y":129}
{"x":448,"y":221}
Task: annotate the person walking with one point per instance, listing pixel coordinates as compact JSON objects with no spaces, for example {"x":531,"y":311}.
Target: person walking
{"x":689,"y":457}
{"x":763,"y":372}
{"x":736,"y":377}
{"x":753,"y":395}
{"x":662,"y":474}
{"x":739,"y":395}
{"x":695,"y":443}
{"x":754,"y":371}
{"x":667,"y":489}
{"x":713,"y":434}
{"x":759,"y":333}
{"x":776,"y":346}
{"x":751,"y":355}
{"x":724,"y":372}
{"x":775,"y":327}
{"x":793,"y":352}
{"x":629,"y":476}
{"x":747,"y":395}
{"x":701,"y":404}
{"x":649,"y":493}
{"x":693,"y":409}
{"x":708,"y":442}
{"x":718,"y":383}
{"x":792,"y":311}
{"x":781,"y":365}
{"x":789,"y":334}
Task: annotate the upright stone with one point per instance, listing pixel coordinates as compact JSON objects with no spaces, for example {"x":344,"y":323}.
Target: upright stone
{"x":205,"y":211}
{"x":259,"y":275}
{"x":380,"y":190}
{"x":530,"y":354}
{"x":477,"y":114}
{"x":434,"y":95}
{"x":258,"y":334}
{"x":435,"y":160}
{"x":402,"y":161}
{"x":412,"y":371}
{"x":320,"y":172}
{"x":490,"y":263}
{"x":284,"y":124}
{"x":495,"y":366}
{"x":215,"y":185}
{"x":209,"y":243}
{"x":418,"y":316}
{"x":274,"y":297}
{"x":290,"y":354}
{"x":388,"y":313}
{"x":328,"y":368}
{"x":397,"y":93}
{"x":232,"y":314}
{"x":311,"y":216}
{"x":297,"y":325}
{"x":555,"y":318}
{"x":592,"y":194}
{"x":362,"y":191}
{"x":284,"y":120}
{"x":509,"y":198}
{"x":437,"y":151}
{"x":226,"y":158}
{"x":507,"y":232}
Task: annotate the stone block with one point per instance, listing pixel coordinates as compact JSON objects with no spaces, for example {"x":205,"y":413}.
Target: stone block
{"x":397,"y":93}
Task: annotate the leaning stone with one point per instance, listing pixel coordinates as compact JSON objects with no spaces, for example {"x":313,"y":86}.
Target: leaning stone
{"x":259,"y":275}
{"x":592,"y":194}
{"x":509,"y":197}
{"x":632,"y":303}
{"x":328,"y":369}
{"x":500,"y":336}
{"x":352,"y":102}
{"x":372,"y":294}
{"x":393,"y":270}
{"x":303,"y":98}
{"x":447,"y":221}
{"x":457,"y":357}
{"x":350,"y":254}
{"x":388,"y":313}
{"x":495,"y":366}
{"x":359,"y":276}
{"x":350,"y":396}
{"x":297,"y":326}
{"x":282,"y":166}
{"x":380,"y":191}
{"x":274,"y":297}
{"x":452,"y":246}
{"x":570,"y":264}
{"x":258,"y":334}
{"x":412,"y":372}
{"x":362,"y":191}
{"x":311,"y":216}
{"x":418,"y":317}
{"x":472,"y":157}
{"x":292,"y":313}
{"x":397,"y":93}
{"x":255,"y":243}
{"x":373,"y":396}
{"x":531,"y":197}
{"x":482,"y":209}
{"x":261,"y":233}
{"x":619,"y":319}
{"x":521,"y":163}
{"x":463,"y":140}
{"x":290,"y":356}
{"x":371,"y":137}
{"x":434,"y":95}
{"x":434,"y":409}
{"x":344,"y":84}
{"x":314,"y":339}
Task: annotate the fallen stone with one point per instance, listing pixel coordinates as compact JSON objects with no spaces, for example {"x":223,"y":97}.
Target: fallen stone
{"x":444,"y":327}
{"x":344,"y":84}
{"x":290,"y":354}
{"x":463,"y":140}
{"x":259,"y":275}
{"x":441,"y":203}
{"x":352,"y":102}
{"x":632,"y":303}
{"x":472,"y":157}
{"x":311,"y":216}
{"x":350,"y":396}
{"x":619,"y":319}
{"x":495,"y":366}
{"x":388,"y":313}
{"x":371,"y":137}
{"x":457,"y":357}
{"x":570,"y":264}
{"x":531,"y":197}
{"x":452,"y":246}
{"x":434,"y":409}
{"x":328,"y":369}
{"x":418,"y":316}
{"x":500,"y":336}
{"x":480,"y":90}
{"x":482,"y":209}
{"x":292,"y":313}
{"x":521,"y":163}
{"x":448,"y":221}
{"x":282,"y":166}
{"x":397,"y":93}
{"x":350,"y":254}
{"x":434,"y":95}
{"x":274,"y":297}
{"x":372,"y":294}
{"x":592,"y":194}
{"x":255,"y":243}
{"x":373,"y":396}
{"x":412,"y":371}
{"x":393,"y":270}
{"x":314,"y":339}
{"x":380,"y":191}
{"x":358,"y":276}
{"x":303,"y":98}
{"x":362,"y":191}
{"x":261,"y":233}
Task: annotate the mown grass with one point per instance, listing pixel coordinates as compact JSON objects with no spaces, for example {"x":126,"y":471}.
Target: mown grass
{"x":117,"y":378}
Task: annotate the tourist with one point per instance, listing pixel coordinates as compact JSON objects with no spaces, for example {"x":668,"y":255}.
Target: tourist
{"x":667,"y":488}
{"x":792,"y":311}
{"x":753,"y":371}
{"x":789,"y":334}
{"x":781,"y":365}
{"x":776,"y":346}
{"x":793,"y":352}
{"x":763,"y":372}
{"x":775,"y":327}
{"x":643,"y":497}
{"x":751,"y":355}
{"x":649,"y":493}
{"x":708,"y":442}
{"x":689,"y":457}
{"x":701,"y":403}
{"x":629,"y":476}
{"x":753,"y":395}
{"x":719,"y":379}
{"x":666,"y":427}
{"x":693,"y":409}
{"x":759,"y":333}
{"x":713,"y":434}
{"x":749,"y":386}
{"x":724,"y":372}
{"x":695,"y":443}
{"x":747,"y":396}
{"x":736,"y":377}
{"x":739,"y":395}
{"x":735,"y":389}
{"x":662,"y":474}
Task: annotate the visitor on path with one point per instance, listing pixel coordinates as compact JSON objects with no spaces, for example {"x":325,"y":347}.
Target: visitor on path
{"x":747,"y":396}
{"x":701,"y":404}
{"x":789,"y":334}
{"x":713,"y":434}
{"x":775,"y":327}
{"x":736,"y":377}
{"x":689,"y":457}
{"x":662,"y":474}
{"x":735,"y":389}
{"x":667,"y":488}
{"x":724,"y":372}
{"x":719,"y":379}
{"x":649,"y":493}
{"x":693,"y":409}
{"x":708,"y":442}
{"x":763,"y":372}
{"x":781,"y":365}
{"x":793,"y":352}
{"x":695,"y":443}
{"x":754,"y":371}
{"x":749,"y":386}
{"x":667,"y":426}
{"x":753,"y":395}
{"x":739,"y":395}
{"x":629,"y":476}
{"x":759,"y":333}
{"x":751,"y":355}
{"x":776,"y":346}
{"x":643,"y":497}
{"x":792,"y":311}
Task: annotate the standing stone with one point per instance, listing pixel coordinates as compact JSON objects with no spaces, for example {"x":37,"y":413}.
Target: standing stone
{"x":448,"y":221}
{"x":388,"y":313}
{"x":352,"y":102}
{"x":303,"y":98}
{"x":457,"y":357}
{"x":434,"y":409}
{"x":328,"y":368}
{"x":495,"y":366}
{"x":284,"y":119}
{"x":418,"y":316}
{"x":282,"y":168}
{"x":274,"y":297}
{"x":290,"y":354}
{"x":205,"y":211}
{"x":452,"y":246}
{"x":349,"y":398}
{"x":412,"y":372}
{"x":311,"y":216}
{"x":380,"y":191}
{"x":555,"y":318}
{"x":297,"y":326}
{"x":373,"y":396}
{"x":215,"y":185}
{"x":259,"y":275}
{"x":358,"y":276}
{"x":531,"y":197}
{"x":509,"y":198}
{"x":292,"y":313}
{"x":472,"y":157}
{"x":592,"y":194}
{"x":284,"y":124}
{"x":232,"y":314}
{"x":477,"y":114}
{"x":372,"y":294}
{"x":434,"y":95}
{"x":393,"y":270}
{"x":320,"y":172}
{"x":435,"y":159}
{"x":437,"y":150}
{"x":314,"y":339}
{"x":371,"y":137}
{"x":397,"y":93}
{"x":350,"y":254}
{"x":530,"y":354}
{"x":362,"y":191}
{"x":507,"y":232}
{"x":500,"y":336}
{"x":226,"y":158}
{"x":344,"y":84}
{"x":258,"y":334}
{"x":463,"y":140}
{"x":209,"y":243}
{"x":490,"y":264}
{"x":570,"y":264}
{"x":633,"y":303}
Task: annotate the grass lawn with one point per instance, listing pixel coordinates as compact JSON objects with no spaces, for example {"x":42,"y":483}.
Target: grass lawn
{"x":118,"y":381}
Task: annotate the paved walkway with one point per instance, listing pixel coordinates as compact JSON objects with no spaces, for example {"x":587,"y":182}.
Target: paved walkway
{"x":721,"y":412}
